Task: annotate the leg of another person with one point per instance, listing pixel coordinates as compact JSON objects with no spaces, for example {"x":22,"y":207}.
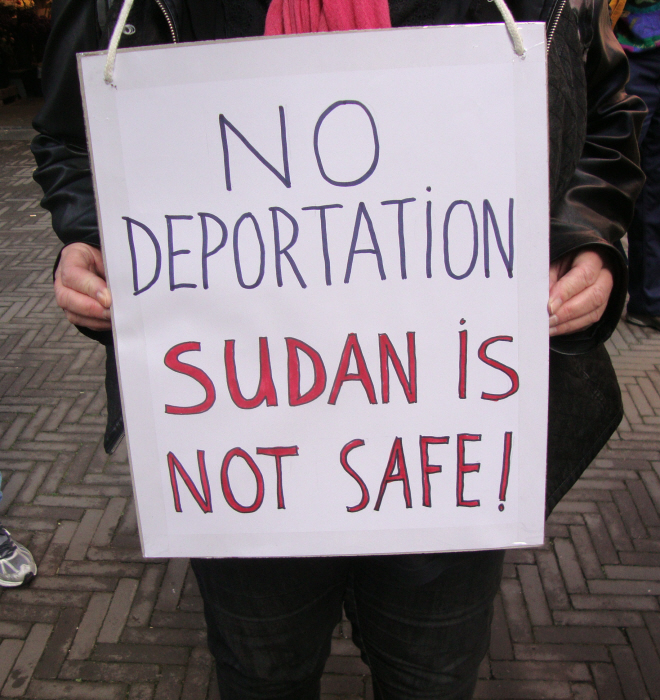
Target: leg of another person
{"x":644,"y":233}
{"x":423,"y":621}
{"x":16,"y":562}
{"x":270,"y":623}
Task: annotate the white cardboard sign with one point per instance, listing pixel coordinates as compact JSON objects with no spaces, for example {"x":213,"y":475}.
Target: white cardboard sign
{"x":328,"y":256}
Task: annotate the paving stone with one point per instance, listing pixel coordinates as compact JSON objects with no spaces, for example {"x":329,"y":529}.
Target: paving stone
{"x":583,"y":691}
{"x":561,"y":652}
{"x":142,"y":653}
{"x":523,"y":690}
{"x":629,"y":674}
{"x":537,"y":606}
{"x":72,"y":690}
{"x":178,"y":620}
{"x":170,"y":591}
{"x":145,"y":598}
{"x":629,"y":514}
{"x":500,"y":640}
{"x":520,"y":628}
{"x":553,"y":583}
{"x":141,"y":691}
{"x":579,"y":635}
{"x":591,"y":618}
{"x":643,"y":502}
{"x":83,"y":535}
{"x":113,"y":672}
{"x":614,"y":602}
{"x":648,"y":660}
{"x":625,"y":588}
{"x":607,"y":682}
{"x":541,"y":670}
{"x":341,"y":686}
{"x":118,"y":611}
{"x":653,"y":625}
{"x":11,"y":630}
{"x":652,"y":484}
{"x":108,"y":523}
{"x":609,"y":526}
{"x":170,"y":684}
{"x":637,"y":573}
{"x":9,"y":651}
{"x":90,"y":626}
{"x":27,"y":659}
{"x":346,"y":664}
{"x":75,"y":583}
{"x":103,"y":569}
{"x":21,"y":612}
{"x":168,"y":637}
{"x":640,"y":558}
{"x":59,"y":643}
{"x":587,"y":556}
{"x":570,"y":566}
{"x":198,"y":675}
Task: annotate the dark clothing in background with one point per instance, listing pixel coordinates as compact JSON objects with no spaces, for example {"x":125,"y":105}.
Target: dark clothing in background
{"x":644,"y":233}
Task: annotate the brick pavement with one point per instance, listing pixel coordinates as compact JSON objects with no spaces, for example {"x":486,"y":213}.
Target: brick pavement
{"x":576,"y":619}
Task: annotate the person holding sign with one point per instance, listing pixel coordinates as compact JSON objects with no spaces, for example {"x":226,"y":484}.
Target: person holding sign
{"x":422,"y":620}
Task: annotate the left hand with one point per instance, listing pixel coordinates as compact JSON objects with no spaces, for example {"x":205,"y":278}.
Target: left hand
{"x":580,"y":287}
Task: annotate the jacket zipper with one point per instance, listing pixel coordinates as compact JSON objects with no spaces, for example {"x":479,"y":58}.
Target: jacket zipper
{"x":554,"y":21}
{"x":168,"y":19}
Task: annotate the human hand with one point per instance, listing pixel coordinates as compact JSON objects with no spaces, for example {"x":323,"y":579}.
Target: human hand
{"x":80,"y":288}
{"x":580,"y":287}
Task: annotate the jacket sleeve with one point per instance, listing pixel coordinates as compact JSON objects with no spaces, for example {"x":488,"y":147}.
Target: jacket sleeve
{"x":596,"y":208}
{"x":60,"y":149}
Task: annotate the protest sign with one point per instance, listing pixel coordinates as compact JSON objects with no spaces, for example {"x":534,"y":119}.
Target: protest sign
{"x":328,"y":256}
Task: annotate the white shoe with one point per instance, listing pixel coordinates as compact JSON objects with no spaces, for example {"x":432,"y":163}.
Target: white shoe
{"x":16,"y":563}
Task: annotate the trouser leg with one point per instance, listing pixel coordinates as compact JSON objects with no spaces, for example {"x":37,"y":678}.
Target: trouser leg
{"x":270,"y":623}
{"x":425,"y":639}
{"x":644,"y":233}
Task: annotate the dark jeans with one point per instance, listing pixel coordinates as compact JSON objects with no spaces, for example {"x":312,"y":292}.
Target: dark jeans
{"x":644,"y":233}
{"x":422,"y":622}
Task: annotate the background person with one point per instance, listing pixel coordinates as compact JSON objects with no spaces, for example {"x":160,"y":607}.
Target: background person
{"x":638,"y":30}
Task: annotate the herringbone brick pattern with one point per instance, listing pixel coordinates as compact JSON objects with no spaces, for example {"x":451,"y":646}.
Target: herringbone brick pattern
{"x":576,"y":619}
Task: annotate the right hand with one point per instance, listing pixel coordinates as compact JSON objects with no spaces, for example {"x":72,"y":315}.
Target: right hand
{"x":80,"y":288}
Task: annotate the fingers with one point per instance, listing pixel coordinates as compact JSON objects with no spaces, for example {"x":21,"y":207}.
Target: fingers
{"x":573,"y":276}
{"x":80,"y":287}
{"x":584,"y":309}
{"x":579,"y":297}
{"x":559,"y":268}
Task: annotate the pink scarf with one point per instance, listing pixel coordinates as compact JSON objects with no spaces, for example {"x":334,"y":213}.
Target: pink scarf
{"x":305,"y":16}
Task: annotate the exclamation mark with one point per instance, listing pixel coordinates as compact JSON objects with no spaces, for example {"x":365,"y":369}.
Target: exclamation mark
{"x":506,"y":464}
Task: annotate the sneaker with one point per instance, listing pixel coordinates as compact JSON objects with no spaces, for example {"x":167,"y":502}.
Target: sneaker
{"x":645,"y":320}
{"x":16,"y":563}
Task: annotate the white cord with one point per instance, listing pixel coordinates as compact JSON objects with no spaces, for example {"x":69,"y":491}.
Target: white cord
{"x":109,"y":72}
{"x":511,"y":26}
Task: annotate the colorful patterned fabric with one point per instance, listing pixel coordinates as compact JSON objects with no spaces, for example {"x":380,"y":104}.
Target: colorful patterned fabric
{"x":616,"y":10}
{"x":638,"y":29}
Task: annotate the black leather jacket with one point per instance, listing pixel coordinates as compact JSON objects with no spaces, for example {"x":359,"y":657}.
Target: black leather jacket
{"x":594,"y":173}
